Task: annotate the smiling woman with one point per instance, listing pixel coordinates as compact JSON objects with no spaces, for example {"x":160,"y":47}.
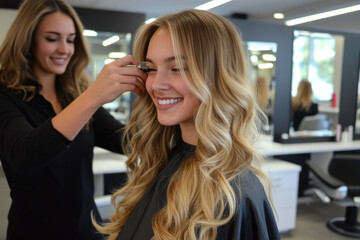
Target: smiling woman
{"x":51,"y":118}
{"x":175,"y":103}
{"x":196,"y":126}
{"x":53,"y":49}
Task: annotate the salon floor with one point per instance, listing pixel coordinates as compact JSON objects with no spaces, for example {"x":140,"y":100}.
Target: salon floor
{"x":311,"y":222}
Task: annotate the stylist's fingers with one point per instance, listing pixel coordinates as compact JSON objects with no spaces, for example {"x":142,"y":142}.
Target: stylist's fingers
{"x":133,"y":83}
{"x":130,"y":75}
{"x":116,"y":78}
{"x":126,"y":67}
{"x":127,"y":60}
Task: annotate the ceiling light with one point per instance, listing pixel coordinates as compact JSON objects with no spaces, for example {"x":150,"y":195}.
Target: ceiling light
{"x":90,"y":33}
{"x":110,"y":40}
{"x":150,"y":20}
{"x":117,"y":54}
{"x":269,"y":57}
{"x":254,"y":59}
{"x":265,"y":65}
{"x":322,"y":15}
{"x":212,"y":4}
{"x":278,"y":15}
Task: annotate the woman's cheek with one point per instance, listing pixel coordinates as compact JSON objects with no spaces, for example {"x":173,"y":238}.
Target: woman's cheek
{"x":148,"y":84}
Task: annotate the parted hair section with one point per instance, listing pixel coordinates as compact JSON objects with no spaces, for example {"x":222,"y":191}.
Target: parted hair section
{"x":200,"y":197}
{"x":17,"y":52}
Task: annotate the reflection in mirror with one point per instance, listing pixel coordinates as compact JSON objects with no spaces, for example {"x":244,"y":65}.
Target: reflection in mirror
{"x":316,"y":81}
{"x":261,"y":73}
{"x":357,"y":120}
{"x":106,"y":47}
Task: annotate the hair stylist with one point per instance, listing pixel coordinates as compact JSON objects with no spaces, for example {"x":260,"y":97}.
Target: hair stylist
{"x":50,"y":120}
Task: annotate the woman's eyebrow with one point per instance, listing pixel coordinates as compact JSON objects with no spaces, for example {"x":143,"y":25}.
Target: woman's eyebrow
{"x":57,"y":33}
{"x":166,"y":60}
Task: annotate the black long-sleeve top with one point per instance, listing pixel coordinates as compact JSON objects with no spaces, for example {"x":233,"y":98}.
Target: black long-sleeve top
{"x":298,"y":116}
{"x":50,"y":177}
{"x":253,"y":219}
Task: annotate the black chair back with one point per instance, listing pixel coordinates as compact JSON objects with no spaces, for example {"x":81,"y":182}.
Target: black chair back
{"x":346,"y":168}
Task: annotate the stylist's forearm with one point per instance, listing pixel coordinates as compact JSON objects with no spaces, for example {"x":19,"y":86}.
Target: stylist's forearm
{"x":73,"y":118}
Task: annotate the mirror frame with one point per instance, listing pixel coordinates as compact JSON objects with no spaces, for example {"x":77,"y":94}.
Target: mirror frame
{"x":357,"y":136}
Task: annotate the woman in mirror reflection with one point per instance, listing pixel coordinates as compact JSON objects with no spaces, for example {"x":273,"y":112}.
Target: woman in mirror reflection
{"x":50,"y":120}
{"x":302,"y":103}
{"x":191,"y":139}
{"x":264,"y":101}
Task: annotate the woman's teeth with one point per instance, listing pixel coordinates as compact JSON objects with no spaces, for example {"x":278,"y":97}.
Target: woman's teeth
{"x":168,"y":101}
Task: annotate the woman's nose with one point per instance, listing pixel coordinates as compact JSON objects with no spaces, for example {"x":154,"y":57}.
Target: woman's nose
{"x":63,"y":47}
{"x":160,"y":82}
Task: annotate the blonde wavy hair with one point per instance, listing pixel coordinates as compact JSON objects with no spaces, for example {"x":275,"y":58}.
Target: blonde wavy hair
{"x":199,"y":196}
{"x":17,"y":52}
{"x":303,"y":99}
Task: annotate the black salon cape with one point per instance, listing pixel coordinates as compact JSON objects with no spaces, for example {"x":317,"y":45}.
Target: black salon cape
{"x":50,"y":178}
{"x":253,"y":219}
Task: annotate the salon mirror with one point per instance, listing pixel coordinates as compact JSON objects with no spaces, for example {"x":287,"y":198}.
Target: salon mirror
{"x":357,"y":118}
{"x":261,"y":74}
{"x":104,"y":48}
{"x":317,"y":58}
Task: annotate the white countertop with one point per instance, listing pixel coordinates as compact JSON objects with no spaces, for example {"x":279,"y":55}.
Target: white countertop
{"x":108,"y":162}
{"x":270,"y":148}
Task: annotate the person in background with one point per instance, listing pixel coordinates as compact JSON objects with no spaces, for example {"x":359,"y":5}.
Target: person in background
{"x":191,"y":139}
{"x":302,"y":104}
{"x":262,"y":93}
{"x":50,"y":120}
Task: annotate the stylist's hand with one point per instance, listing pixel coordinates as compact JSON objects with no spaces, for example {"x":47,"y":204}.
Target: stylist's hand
{"x":115,"y":79}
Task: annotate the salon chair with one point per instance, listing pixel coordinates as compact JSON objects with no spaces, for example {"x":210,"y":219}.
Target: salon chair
{"x":341,"y":183}
{"x":315,"y":122}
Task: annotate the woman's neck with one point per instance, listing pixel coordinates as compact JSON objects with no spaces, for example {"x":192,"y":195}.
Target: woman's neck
{"x":188,"y":133}
{"x":48,"y":91}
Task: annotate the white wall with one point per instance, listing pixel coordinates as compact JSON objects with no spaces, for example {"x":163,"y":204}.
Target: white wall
{"x":5,"y":201}
{"x":6,"y":18}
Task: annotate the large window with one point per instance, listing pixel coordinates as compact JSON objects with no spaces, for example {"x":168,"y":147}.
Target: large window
{"x":313,"y":59}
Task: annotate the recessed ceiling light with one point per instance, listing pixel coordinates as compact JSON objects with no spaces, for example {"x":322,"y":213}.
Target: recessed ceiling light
{"x":254,"y":58}
{"x":269,"y":57}
{"x":265,"y":65}
{"x":278,"y":15}
{"x":90,"y":33}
